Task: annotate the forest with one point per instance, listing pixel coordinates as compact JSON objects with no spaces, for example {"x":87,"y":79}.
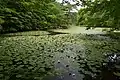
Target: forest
{"x":59,"y":39}
{"x":22,"y":15}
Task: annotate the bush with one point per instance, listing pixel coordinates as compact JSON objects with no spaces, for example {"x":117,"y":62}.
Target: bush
{"x":28,"y":15}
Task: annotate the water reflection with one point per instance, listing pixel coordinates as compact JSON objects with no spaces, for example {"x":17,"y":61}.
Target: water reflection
{"x":76,"y":67}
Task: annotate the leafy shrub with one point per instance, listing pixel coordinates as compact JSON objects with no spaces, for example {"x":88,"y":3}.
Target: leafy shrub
{"x":29,"y":15}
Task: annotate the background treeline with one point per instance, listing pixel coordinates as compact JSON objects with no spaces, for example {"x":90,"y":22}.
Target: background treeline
{"x":23,"y":15}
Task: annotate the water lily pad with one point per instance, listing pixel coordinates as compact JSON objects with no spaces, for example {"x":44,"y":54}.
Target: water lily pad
{"x":117,"y":73}
{"x":18,"y":76}
{"x":117,"y":67}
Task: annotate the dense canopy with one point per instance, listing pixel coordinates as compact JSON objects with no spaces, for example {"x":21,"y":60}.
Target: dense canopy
{"x":22,"y":15}
{"x":105,"y":13}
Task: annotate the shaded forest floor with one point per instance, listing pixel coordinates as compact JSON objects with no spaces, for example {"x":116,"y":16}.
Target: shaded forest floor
{"x":56,"y":55}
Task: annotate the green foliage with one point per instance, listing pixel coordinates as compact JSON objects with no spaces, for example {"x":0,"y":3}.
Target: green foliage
{"x":100,"y":13}
{"x":32,"y":55}
{"x":20,"y":15}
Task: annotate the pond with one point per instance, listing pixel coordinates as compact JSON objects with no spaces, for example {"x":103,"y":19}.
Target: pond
{"x":59,"y":57}
{"x":74,"y":60}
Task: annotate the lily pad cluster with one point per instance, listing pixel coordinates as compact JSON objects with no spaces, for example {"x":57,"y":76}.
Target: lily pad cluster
{"x":33,"y":57}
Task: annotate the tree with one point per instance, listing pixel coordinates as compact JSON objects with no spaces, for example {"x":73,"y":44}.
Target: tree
{"x":103,"y":13}
{"x":68,"y":7}
{"x":22,"y":15}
